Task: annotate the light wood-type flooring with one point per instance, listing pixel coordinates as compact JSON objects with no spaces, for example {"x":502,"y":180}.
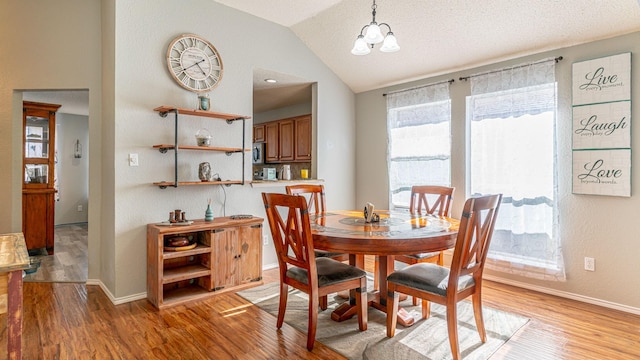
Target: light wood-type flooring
{"x":76,"y":321}
{"x":69,"y":262}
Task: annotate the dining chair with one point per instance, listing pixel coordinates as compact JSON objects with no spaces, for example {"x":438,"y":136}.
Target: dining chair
{"x":299,"y":266}
{"x":448,"y":286}
{"x":316,"y":203}
{"x":427,"y":200}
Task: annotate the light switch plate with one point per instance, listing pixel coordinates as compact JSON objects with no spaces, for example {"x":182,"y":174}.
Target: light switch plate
{"x":133,"y":160}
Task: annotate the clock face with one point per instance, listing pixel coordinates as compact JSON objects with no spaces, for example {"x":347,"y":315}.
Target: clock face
{"x":194,"y":63}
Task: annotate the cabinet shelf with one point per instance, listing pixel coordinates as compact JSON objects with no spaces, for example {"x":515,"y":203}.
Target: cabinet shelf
{"x":200,"y":249}
{"x":185,"y":273}
{"x":163,"y":111}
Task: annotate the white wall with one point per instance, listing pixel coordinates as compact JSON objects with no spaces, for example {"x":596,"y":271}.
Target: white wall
{"x":602,"y":227}
{"x":58,"y":46}
{"x":72,"y":173}
{"x":143,"y":30}
{"x":116,"y":50}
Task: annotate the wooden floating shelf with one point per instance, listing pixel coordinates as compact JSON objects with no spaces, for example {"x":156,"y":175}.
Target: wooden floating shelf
{"x":189,"y":183}
{"x":199,"y":148}
{"x":211,"y":114}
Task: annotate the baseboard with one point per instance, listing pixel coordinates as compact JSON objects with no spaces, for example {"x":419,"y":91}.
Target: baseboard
{"x":113,"y":299}
{"x":564,"y":294}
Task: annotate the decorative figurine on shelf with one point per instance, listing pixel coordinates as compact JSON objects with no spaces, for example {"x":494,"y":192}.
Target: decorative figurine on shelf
{"x":203,"y":137}
{"x":203,"y":102}
{"x":204,"y":171}
{"x":208,"y":214}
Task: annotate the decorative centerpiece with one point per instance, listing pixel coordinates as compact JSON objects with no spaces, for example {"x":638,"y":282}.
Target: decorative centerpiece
{"x":203,"y":137}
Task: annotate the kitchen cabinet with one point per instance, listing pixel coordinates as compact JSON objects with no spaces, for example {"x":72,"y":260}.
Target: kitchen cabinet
{"x":288,"y":140}
{"x":303,"y":138}
{"x":38,"y":161}
{"x":163,"y":148}
{"x":225,"y":255}
{"x":258,"y":133}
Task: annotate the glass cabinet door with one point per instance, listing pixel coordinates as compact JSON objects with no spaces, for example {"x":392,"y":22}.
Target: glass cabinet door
{"x":38,"y":156}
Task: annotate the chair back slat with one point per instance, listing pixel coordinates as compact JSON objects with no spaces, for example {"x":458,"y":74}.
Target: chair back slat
{"x":292,"y":238}
{"x":474,"y":237}
{"x":441,"y":198}
{"x":316,"y":203}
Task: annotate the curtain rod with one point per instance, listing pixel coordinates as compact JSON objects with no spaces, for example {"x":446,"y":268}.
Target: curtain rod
{"x":465,"y":78}
{"x":419,"y":87}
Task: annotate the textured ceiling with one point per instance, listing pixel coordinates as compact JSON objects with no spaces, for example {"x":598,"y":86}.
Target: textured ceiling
{"x":435,"y":37}
{"x":441,"y":36}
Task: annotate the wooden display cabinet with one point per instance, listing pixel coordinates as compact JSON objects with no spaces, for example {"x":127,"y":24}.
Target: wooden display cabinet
{"x":227,"y":257}
{"x":38,"y":161}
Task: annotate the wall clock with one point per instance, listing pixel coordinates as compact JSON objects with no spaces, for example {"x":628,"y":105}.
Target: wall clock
{"x":194,"y":63}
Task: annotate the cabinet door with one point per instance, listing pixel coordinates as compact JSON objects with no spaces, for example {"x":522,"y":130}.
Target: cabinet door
{"x":223,"y":258}
{"x":258,"y":133}
{"x":37,"y":219}
{"x":287,"y":140}
{"x":272,"y":142}
{"x":250,"y":253}
{"x":303,"y":138}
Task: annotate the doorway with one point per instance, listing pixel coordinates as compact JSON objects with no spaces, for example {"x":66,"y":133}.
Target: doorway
{"x":69,"y":261}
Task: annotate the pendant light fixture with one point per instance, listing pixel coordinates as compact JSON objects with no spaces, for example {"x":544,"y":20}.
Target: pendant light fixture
{"x":371,"y":34}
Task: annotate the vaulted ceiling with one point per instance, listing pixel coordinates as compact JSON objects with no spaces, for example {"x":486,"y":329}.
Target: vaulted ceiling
{"x":441,"y":36}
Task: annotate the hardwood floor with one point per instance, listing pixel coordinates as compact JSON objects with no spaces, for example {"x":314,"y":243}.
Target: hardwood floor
{"x":75,"y":321}
{"x":70,"y":260}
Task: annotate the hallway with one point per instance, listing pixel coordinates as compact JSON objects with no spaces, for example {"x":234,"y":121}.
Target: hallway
{"x":69,"y":263}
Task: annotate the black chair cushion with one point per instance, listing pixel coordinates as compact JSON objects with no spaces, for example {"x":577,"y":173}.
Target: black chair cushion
{"x":329,"y":272}
{"x":428,"y":277}
{"x":423,"y":255}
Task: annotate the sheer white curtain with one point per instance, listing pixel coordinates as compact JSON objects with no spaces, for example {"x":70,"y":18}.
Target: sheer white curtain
{"x":419,"y":135}
{"x":511,"y":115}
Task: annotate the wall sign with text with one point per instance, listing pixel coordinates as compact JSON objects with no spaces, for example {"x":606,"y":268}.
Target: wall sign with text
{"x":601,"y":136}
{"x":602,"y":126}
{"x":602,"y":172}
{"x":602,"y":80}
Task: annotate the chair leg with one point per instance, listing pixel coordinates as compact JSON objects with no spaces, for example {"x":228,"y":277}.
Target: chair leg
{"x":452,"y":327}
{"x":477,"y":314}
{"x":324,"y":303}
{"x":313,"y":321}
{"x":284,"y":291}
{"x":426,"y":309}
{"x":392,"y":309}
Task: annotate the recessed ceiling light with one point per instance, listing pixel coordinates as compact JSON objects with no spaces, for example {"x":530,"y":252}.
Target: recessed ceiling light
{"x":271,"y":81}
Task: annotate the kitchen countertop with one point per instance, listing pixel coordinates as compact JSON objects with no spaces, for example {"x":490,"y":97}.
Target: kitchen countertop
{"x":275,"y":183}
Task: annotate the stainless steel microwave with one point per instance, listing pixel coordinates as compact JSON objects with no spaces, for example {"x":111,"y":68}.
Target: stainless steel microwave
{"x":258,"y":153}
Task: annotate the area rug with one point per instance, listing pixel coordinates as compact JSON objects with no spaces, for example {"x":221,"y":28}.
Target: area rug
{"x":426,"y":339}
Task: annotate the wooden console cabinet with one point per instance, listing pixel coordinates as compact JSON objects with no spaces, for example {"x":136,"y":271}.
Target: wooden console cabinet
{"x":228,"y":257}
{"x":38,"y":160}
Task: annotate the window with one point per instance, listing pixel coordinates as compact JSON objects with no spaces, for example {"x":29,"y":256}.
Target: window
{"x":511,"y":117}
{"x":419,"y":133}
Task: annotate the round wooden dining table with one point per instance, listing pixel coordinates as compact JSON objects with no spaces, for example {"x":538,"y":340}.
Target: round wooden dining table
{"x":396,"y":233}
